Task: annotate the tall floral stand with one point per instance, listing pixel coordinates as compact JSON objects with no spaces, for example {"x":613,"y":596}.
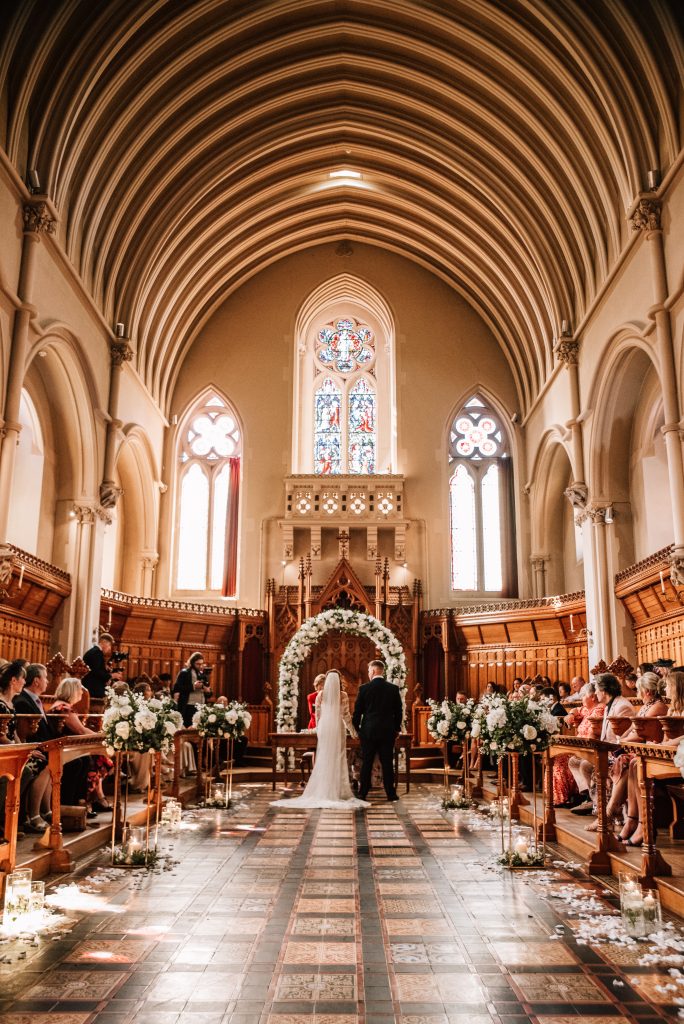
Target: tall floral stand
{"x":137,"y":844}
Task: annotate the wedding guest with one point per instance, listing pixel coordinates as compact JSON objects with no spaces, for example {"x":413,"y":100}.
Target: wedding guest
{"x":491,"y":689}
{"x":609,"y":693}
{"x":84,"y":780}
{"x":649,"y":688}
{"x":144,"y":688}
{"x":632,"y":833}
{"x":311,"y":699}
{"x":629,"y":686}
{"x":461,"y":697}
{"x":567,"y":773}
{"x":555,"y":706}
{"x":35,"y":785}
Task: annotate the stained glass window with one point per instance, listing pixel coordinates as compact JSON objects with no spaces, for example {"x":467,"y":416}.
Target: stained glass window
{"x":345,"y":345}
{"x":328,"y":428}
{"x":480,"y":481}
{"x":361,"y":428}
{"x":209,"y":452}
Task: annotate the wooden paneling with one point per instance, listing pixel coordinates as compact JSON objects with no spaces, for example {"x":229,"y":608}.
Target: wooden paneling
{"x":655,"y":607}
{"x":31,"y":596}
{"x":160,"y":636}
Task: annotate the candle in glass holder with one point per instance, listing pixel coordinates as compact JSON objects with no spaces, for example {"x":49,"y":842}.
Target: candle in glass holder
{"x":17,"y":894}
{"x":652,"y":913}
{"x":136,"y":839}
{"x":219,"y":794}
{"x":632,"y":908}
{"x":521,"y":847}
{"x":457,"y":793}
{"x":37,"y":903}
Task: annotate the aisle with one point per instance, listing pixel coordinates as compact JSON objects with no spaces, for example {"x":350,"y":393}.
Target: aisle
{"x":328,"y":918}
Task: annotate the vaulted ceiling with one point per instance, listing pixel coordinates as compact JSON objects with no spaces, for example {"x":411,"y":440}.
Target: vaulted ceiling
{"x":189,"y":143}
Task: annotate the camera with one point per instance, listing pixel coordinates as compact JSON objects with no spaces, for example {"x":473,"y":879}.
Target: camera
{"x":118,"y":656}
{"x":205,"y":675}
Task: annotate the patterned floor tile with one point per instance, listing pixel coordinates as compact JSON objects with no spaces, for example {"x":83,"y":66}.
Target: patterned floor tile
{"x":325,"y":906}
{"x":658,"y":988}
{"x":45,"y":1018}
{"x":530,"y":954}
{"x":110,"y":951}
{"x":315,"y":987}
{"x":440,"y":988}
{"x":559,"y":988}
{"x":418,"y":926}
{"x":328,"y":889}
{"x":75,"y":985}
{"x":328,"y":953}
{"x":344,"y":926}
{"x":581,"y":1019}
{"x":410,"y":906}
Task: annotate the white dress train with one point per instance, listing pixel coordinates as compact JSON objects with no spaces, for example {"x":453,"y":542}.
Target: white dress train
{"x":329,"y":785}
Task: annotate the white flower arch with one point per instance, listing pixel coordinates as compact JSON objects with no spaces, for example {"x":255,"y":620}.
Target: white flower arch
{"x":306,"y":638}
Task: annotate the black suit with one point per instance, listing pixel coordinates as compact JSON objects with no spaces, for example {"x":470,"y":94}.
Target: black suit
{"x":25,"y":705}
{"x":99,"y":676}
{"x":377,"y":719}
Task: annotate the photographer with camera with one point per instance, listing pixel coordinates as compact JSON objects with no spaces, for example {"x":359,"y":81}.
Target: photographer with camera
{"x":103,"y":662}
{"x":192,"y":687}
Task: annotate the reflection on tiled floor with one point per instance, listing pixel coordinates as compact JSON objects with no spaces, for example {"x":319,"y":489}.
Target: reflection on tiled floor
{"x":327,"y":917}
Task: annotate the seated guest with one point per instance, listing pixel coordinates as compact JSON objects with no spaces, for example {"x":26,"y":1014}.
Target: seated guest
{"x":515,"y":687}
{"x":461,"y":697}
{"x":629,"y":686}
{"x":632,"y":833}
{"x":564,"y":691}
{"x":35,"y":786}
{"x":85,"y":775}
{"x":100,"y":675}
{"x":163,"y":687}
{"x":191,"y":687}
{"x":556,"y":708}
{"x":491,"y":689}
{"x":609,"y":694}
{"x":28,"y":701}
{"x":567,"y":771}
{"x":144,"y":688}
{"x":649,"y":688}
{"x":645,"y":666}
{"x":311,"y":699}
{"x":576,"y":684}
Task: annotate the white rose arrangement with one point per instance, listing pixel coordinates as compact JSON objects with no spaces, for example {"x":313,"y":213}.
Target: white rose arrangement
{"x":131,"y":723}
{"x":520,"y":726}
{"x":449,"y":720}
{"x":222,"y":720}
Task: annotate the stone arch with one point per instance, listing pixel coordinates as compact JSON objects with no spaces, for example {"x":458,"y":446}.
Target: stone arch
{"x":625,"y":379}
{"x":355,"y":296}
{"x":133,"y":532}
{"x":555,"y":541}
{"x":60,"y":383}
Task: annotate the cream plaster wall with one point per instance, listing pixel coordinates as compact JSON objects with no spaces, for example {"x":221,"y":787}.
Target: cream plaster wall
{"x":444,"y":352}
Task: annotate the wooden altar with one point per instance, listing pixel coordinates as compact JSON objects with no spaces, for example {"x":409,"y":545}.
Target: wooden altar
{"x":398,"y":608}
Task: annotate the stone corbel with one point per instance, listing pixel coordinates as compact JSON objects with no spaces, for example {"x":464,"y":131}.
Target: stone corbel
{"x":109,"y":494}
{"x":645,"y":215}
{"x":288,"y":542}
{"x":400,"y":543}
{"x":677,"y":570}
{"x":6,"y":565}
{"x":371,"y":543}
{"x":566,"y":350}
{"x":40,"y":217}
{"x":315,"y":543}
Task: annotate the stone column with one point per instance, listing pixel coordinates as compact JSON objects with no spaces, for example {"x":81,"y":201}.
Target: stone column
{"x":538,"y":563}
{"x":88,"y":521}
{"x":148,"y":565}
{"x":39,"y":220}
{"x":121,"y":352}
{"x":567,"y":352}
{"x":645,"y":217}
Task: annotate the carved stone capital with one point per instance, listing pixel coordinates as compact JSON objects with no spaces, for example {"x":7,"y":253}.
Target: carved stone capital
{"x":150,"y":561}
{"x":538,"y":562}
{"x":566,"y":350}
{"x":121,"y":352}
{"x":6,"y":564}
{"x":84,"y":514}
{"x":109,"y":494}
{"x":577,"y":494}
{"x":676,"y":570}
{"x":597,"y":513}
{"x":646,"y":215}
{"x":38,"y":218}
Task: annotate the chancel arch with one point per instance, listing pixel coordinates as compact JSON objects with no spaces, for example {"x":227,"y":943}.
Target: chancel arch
{"x":130,"y":544}
{"x":557,"y":553}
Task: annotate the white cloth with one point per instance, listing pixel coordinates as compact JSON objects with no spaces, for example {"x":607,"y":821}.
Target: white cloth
{"x":329,"y":784}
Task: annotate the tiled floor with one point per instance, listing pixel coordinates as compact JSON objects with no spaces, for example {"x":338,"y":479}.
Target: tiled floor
{"x":328,"y":918}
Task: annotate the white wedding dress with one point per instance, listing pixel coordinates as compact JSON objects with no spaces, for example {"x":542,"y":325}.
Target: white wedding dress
{"x":329,"y":784}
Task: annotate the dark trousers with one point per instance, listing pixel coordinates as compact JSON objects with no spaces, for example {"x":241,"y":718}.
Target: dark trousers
{"x":383,"y":746}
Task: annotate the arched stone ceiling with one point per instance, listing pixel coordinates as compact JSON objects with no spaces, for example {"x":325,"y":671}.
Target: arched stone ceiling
{"x":188,"y":143}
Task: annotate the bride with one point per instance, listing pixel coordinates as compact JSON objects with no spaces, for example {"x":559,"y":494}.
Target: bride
{"x":329,"y":785}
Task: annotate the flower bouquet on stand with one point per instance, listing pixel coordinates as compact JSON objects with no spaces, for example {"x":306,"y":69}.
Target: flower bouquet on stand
{"x":133,"y":725}
{"x":506,"y":728}
{"x":216,"y":722}
{"x":451,"y":722}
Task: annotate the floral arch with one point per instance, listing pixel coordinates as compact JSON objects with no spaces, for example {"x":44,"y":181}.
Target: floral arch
{"x":306,"y":638}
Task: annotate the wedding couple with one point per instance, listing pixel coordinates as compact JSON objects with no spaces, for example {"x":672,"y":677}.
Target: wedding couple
{"x":377,"y":719}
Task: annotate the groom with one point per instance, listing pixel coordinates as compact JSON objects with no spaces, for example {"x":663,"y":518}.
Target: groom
{"x":377,"y":719}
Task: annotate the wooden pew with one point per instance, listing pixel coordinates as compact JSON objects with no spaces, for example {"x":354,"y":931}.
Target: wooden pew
{"x":13,"y":757}
{"x":596,"y":751}
{"x":653,"y":762}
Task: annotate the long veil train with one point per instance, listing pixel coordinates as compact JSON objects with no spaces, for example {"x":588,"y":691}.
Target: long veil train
{"x":329,"y":784}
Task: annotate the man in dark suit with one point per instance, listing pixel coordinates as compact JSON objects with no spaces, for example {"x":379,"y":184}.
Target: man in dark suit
{"x":377,"y":719}
{"x":28,"y":701}
{"x":100,"y":676}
